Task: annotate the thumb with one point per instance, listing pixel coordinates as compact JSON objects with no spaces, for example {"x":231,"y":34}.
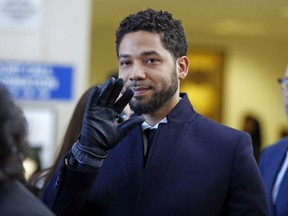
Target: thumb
{"x":129,"y":124}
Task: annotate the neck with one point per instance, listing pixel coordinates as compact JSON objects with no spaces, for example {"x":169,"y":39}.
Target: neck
{"x":155,"y":117}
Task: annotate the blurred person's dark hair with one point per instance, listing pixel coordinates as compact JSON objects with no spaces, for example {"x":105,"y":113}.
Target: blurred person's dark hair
{"x":13,"y":135}
{"x":252,"y":126}
{"x":38,"y":180}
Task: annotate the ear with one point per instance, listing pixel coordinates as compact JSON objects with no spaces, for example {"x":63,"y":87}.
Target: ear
{"x":183,"y":67}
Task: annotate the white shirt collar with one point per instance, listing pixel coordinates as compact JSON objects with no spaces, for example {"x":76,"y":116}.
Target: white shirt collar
{"x":145,"y":125}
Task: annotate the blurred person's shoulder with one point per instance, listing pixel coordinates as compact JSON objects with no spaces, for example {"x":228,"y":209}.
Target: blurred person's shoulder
{"x":276,"y":148}
{"x":16,"y":199}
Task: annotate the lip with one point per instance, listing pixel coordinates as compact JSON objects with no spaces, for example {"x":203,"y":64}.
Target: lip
{"x":140,"y":90}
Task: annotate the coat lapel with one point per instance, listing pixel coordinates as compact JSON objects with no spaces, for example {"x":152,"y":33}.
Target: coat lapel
{"x":165,"y":144}
{"x":161,"y":153}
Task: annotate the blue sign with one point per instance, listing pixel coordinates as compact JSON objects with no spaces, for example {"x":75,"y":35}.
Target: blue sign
{"x":37,"y":81}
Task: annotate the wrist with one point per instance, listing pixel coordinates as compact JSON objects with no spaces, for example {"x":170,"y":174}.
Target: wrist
{"x":71,"y":162}
{"x":95,"y":152}
{"x":83,"y":157}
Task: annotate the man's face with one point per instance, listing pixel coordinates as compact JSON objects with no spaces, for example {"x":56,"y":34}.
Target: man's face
{"x":147,"y":67}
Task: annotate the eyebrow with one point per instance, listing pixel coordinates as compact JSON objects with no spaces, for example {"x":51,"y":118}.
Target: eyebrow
{"x":146,"y":53}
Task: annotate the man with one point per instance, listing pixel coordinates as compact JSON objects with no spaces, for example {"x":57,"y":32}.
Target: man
{"x":15,"y":198}
{"x":194,"y":166}
{"x":274,"y":164}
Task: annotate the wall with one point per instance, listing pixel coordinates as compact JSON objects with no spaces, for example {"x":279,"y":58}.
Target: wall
{"x":251,"y":74}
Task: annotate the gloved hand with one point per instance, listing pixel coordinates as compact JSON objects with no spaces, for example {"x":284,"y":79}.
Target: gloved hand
{"x":101,"y":130}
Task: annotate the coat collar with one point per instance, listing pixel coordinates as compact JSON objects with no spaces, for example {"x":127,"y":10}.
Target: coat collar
{"x":182,"y":111}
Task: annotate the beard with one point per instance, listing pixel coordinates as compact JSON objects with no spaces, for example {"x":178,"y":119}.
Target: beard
{"x":158,"y":99}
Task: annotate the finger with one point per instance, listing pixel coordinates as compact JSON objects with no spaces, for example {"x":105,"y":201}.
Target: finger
{"x":93,"y":97}
{"x":116,"y":92}
{"x":107,"y":89}
{"x":123,"y":100}
{"x":129,"y":124}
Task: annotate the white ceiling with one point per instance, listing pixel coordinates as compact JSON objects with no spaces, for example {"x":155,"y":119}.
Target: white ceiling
{"x":249,"y":19}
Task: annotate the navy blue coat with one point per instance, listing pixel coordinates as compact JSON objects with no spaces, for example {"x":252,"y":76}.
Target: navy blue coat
{"x":195,"y":167}
{"x":270,"y":164}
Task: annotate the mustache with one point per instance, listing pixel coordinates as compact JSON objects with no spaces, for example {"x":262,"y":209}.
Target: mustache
{"x":137,"y":85}
{"x":134,"y":84}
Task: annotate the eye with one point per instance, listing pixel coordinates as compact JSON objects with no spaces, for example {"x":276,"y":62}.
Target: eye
{"x":151,"y":60}
{"x":124,"y":63}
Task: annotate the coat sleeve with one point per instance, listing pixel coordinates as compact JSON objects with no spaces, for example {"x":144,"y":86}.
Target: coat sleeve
{"x":68,"y":190}
{"x":247,"y":192}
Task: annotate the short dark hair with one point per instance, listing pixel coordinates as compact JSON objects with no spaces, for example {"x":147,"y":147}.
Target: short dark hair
{"x":13,"y":134}
{"x":161,"y":22}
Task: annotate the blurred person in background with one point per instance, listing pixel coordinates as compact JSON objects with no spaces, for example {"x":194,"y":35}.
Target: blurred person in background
{"x":273,"y":165}
{"x":252,"y":126}
{"x":37,"y":181}
{"x":15,"y":198}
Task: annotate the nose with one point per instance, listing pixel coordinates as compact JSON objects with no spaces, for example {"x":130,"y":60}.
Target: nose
{"x":137,"y":72}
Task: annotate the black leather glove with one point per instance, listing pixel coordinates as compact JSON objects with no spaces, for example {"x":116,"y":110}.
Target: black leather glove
{"x":100,"y":129}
